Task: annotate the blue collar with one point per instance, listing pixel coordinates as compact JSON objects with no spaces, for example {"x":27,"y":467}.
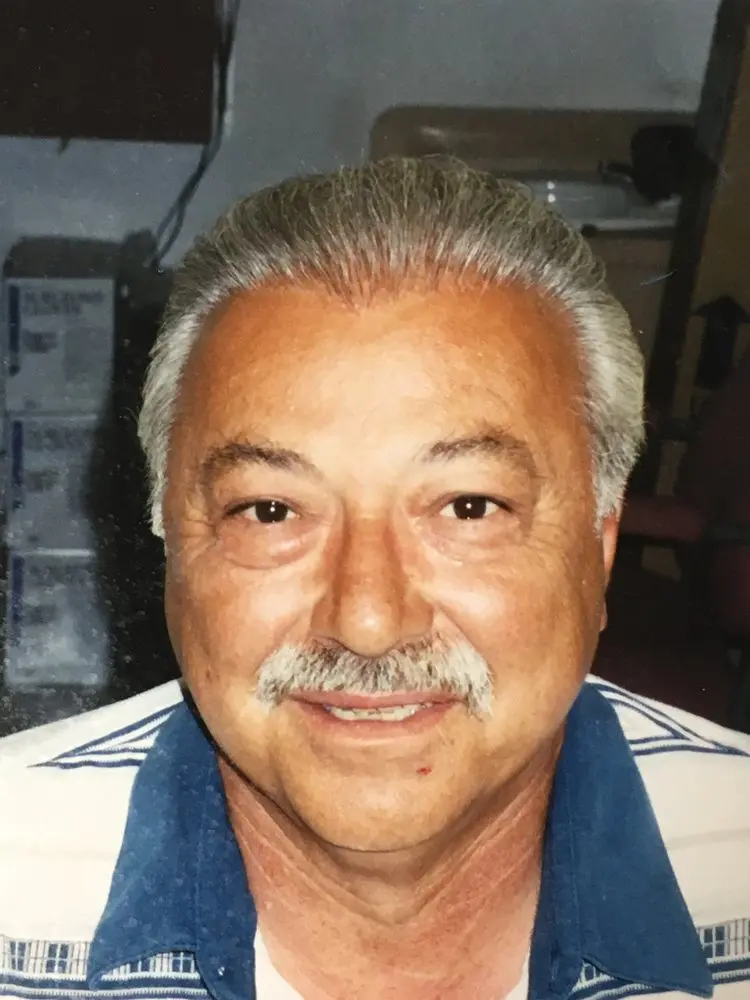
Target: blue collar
{"x":609,"y":896}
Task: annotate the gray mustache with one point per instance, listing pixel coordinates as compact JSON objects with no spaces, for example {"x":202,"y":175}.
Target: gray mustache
{"x":429,"y":667}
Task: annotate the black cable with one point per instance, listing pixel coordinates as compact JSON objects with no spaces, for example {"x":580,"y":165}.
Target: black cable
{"x":227,"y":30}
{"x":171,"y":225}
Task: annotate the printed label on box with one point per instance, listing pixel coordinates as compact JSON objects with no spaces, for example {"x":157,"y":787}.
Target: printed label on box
{"x":57,"y":630}
{"x":59,"y":343}
{"x":50,"y":467}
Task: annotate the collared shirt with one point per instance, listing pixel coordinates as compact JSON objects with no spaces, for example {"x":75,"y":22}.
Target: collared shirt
{"x":120,"y":876}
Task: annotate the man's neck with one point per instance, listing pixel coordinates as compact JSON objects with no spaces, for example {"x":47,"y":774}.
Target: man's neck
{"x":444,"y":919}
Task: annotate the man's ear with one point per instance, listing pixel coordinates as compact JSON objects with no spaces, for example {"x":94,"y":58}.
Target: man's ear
{"x":609,"y":533}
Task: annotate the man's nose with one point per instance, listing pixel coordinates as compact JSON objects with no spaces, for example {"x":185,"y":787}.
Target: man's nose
{"x":370,"y":605}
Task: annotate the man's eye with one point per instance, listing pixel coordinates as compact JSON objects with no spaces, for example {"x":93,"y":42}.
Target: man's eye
{"x":266,"y":512}
{"x":471,"y":507}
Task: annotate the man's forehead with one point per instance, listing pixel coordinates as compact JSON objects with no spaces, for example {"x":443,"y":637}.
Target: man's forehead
{"x":292,"y":381}
{"x":277,"y":328}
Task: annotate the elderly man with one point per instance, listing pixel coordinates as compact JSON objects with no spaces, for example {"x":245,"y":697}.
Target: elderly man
{"x":389,"y":421}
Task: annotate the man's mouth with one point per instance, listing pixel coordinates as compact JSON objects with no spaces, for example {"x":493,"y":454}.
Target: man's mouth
{"x":395,"y":707}
{"x":394,"y":713}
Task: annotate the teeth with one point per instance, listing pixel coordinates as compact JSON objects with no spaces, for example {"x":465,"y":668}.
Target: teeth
{"x":393,"y":714}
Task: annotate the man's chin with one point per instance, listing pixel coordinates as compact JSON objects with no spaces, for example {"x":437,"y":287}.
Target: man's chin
{"x":366,"y":815}
{"x":383,"y":836}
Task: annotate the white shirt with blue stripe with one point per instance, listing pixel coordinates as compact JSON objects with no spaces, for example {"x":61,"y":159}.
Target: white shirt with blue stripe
{"x":120,"y":877}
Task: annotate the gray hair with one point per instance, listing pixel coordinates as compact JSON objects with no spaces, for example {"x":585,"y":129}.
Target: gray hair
{"x":429,"y":667}
{"x":383,"y":225}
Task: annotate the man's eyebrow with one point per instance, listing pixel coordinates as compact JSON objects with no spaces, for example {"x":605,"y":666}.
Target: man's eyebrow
{"x":496,"y":444}
{"x":234,"y":454}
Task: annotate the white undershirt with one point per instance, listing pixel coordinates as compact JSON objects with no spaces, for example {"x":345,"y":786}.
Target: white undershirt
{"x":269,"y":985}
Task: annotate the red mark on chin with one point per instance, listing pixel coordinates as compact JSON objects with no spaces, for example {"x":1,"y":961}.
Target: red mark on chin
{"x":424,"y":770}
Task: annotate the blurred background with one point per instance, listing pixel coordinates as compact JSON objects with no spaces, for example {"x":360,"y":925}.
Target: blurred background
{"x":125,"y":129}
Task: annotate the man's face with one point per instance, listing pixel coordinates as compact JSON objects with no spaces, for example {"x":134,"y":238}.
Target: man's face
{"x":411,"y":472}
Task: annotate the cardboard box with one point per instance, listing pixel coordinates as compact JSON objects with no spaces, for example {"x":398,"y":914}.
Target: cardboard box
{"x":637,"y":270}
{"x":49,"y":466}
{"x":56,"y":627}
{"x":514,"y":140}
{"x":59,"y":343}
